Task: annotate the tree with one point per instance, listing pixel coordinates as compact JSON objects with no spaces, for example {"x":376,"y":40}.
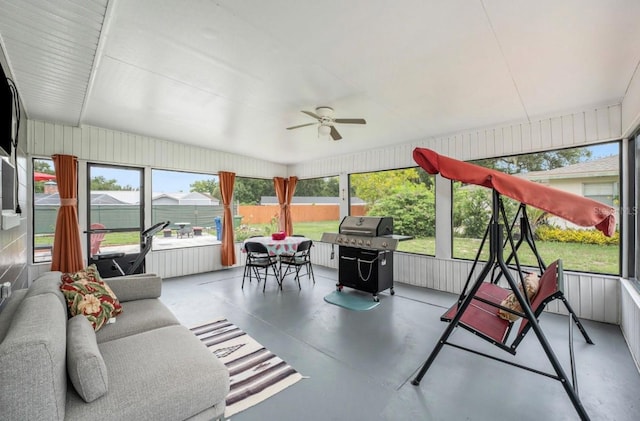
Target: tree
{"x":101,"y":183}
{"x":471,"y":210}
{"x":318,"y":187}
{"x":312,"y":187}
{"x":541,"y":161}
{"x":43,"y":167}
{"x":332,"y":186}
{"x":248,"y":191}
{"x":210,"y":187}
{"x":374,"y":186}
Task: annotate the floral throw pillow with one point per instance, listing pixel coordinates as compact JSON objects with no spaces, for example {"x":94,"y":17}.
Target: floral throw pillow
{"x":531,"y":282}
{"x":89,"y":273}
{"x":87,"y":294}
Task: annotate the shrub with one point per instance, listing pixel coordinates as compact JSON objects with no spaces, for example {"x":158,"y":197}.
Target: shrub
{"x":412,"y":209}
{"x":571,"y":235}
{"x":471,"y":212}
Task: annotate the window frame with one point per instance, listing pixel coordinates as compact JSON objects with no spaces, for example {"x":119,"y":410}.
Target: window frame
{"x":34,"y":221}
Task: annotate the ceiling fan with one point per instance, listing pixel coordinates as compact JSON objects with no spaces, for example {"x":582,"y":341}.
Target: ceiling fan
{"x":326,"y":122}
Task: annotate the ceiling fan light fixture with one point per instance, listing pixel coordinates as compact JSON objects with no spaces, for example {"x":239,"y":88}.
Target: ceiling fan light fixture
{"x":324,"y":130}
{"x":326,"y":122}
{"x":324,"y":111}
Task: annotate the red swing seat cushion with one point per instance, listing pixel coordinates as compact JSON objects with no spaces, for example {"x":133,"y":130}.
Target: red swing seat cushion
{"x":483,"y":317}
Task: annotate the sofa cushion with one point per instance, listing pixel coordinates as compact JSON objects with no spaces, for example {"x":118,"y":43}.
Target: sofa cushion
{"x":136,"y":287}
{"x":33,"y":371}
{"x":10,"y":307}
{"x":164,"y":373}
{"x":85,"y":365}
{"x":48,"y":283}
{"x":137,"y":316}
{"x":92,"y":298}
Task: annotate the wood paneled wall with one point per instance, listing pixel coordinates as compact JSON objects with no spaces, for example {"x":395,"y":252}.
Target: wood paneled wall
{"x":576,"y":129}
{"x":630,"y":318}
{"x":109,"y":146}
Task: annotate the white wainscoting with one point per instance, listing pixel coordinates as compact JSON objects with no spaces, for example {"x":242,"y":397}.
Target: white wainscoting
{"x":591,"y":296}
{"x":189,"y":260}
{"x":630,"y":318}
{"x":184,"y":261}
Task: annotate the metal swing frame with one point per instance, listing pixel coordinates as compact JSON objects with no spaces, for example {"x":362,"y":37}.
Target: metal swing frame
{"x":498,"y":267}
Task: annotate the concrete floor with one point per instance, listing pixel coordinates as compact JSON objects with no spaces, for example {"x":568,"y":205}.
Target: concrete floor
{"x":360,"y":364}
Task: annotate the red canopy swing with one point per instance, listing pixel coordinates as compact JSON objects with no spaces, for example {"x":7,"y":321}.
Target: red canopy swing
{"x":480,"y":302}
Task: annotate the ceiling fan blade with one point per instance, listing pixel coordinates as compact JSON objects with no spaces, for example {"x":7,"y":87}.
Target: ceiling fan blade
{"x":310,"y":114}
{"x":301,"y":125}
{"x":334,"y":134}
{"x":350,"y":120}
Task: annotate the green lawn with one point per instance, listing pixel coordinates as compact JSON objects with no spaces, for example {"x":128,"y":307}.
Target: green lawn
{"x":579,"y":257}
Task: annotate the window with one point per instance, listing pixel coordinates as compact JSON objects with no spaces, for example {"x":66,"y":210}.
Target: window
{"x":256,"y":207}
{"x":589,"y":171}
{"x":406,"y":195}
{"x":7,"y":174}
{"x":46,"y":203}
{"x":606,"y":193}
{"x":191,"y":203}
{"x":315,"y":208}
{"x":115,"y":215}
{"x":631,"y":213}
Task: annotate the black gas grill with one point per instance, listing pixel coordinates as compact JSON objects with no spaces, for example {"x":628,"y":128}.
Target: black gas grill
{"x":366,"y":245}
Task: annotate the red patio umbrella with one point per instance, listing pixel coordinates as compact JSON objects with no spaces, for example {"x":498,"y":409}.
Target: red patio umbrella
{"x":40,"y":176}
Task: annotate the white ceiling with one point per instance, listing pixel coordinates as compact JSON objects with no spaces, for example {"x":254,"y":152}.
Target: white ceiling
{"x":231,"y":75}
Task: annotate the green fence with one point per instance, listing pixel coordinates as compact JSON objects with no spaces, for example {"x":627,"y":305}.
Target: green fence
{"x":197,"y":216}
{"x":128,"y":216}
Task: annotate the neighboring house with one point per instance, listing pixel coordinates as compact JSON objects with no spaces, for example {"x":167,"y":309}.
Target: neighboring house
{"x":191,"y":198}
{"x":126,"y":197}
{"x":597,"y":180}
{"x":53,"y":199}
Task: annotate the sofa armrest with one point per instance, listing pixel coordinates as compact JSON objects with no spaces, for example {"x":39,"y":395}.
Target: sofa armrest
{"x":135,"y":287}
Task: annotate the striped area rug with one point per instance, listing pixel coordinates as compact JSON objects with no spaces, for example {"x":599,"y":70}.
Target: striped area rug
{"x":255,"y":373}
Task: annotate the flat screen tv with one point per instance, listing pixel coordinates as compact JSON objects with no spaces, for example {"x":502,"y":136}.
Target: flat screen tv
{"x":6,"y":115}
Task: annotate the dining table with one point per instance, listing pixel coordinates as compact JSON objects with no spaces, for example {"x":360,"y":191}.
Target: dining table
{"x":288,"y":245}
{"x":184,"y":228}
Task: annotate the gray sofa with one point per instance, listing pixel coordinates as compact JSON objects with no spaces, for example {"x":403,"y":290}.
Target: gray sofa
{"x":145,"y":366}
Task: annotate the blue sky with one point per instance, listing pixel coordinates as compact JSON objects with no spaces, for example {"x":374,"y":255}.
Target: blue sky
{"x":162,"y":181}
{"x":607,"y":149}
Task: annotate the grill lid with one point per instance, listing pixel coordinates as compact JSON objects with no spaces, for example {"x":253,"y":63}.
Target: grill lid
{"x":367,"y":226}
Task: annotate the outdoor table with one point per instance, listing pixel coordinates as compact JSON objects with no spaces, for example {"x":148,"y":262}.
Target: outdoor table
{"x":184,"y":229}
{"x":276,"y":247}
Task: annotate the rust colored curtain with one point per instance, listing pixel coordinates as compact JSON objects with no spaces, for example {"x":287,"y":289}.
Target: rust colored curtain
{"x":285,"y":188}
{"x":227,"y":179}
{"x":67,"y":250}
{"x":291,"y":189}
{"x":280,"y":185}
